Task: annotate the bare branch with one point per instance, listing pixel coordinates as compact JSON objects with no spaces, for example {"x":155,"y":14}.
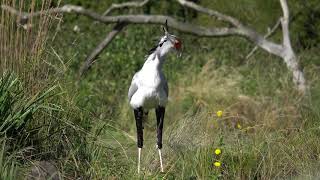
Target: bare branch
{"x":269,"y":33}
{"x":136,"y":19}
{"x":243,"y":30}
{"x":288,"y":55}
{"x":125,"y":5}
{"x":96,"y":52}
{"x":285,"y":9}
{"x":173,"y":23}
{"x":272,"y":31}
{"x":285,"y":24}
{"x":27,"y":16}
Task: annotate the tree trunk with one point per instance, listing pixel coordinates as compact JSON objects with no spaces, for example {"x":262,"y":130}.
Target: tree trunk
{"x":291,"y":61}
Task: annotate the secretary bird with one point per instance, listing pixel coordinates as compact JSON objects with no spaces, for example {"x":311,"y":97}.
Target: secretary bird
{"x":149,"y":89}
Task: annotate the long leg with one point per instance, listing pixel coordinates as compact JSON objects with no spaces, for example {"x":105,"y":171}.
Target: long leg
{"x":160,"y":111}
{"x":138,"y":114}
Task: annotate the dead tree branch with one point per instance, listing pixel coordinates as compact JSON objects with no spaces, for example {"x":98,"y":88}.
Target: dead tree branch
{"x":136,"y":19}
{"x":125,"y":5}
{"x":269,"y":33}
{"x":173,"y":23}
{"x":242,"y":30}
{"x":111,"y":35}
{"x":103,"y":44}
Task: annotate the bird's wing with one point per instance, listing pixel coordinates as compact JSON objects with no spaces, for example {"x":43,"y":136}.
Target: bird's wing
{"x":133,"y":87}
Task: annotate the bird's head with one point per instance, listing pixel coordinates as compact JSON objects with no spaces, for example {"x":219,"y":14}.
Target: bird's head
{"x":169,"y":42}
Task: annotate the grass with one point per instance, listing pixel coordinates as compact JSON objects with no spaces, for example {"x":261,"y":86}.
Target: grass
{"x":8,"y":168}
{"x":86,"y":129}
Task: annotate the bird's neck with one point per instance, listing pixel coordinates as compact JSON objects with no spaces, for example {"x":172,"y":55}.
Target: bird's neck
{"x":154,"y":61}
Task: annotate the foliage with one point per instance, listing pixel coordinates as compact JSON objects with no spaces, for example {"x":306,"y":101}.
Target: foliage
{"x":8,"y":165}
{"x":16,"y":109}
{"x":307,"y":25}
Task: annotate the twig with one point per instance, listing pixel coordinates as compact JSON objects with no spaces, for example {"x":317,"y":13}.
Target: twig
{"x":135,"y":4}
{"x":103,"y":44}
{"x":269,"y":33}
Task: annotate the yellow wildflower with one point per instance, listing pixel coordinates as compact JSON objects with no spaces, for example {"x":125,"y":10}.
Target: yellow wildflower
{"x":217,"y":151}
{"x":239,"y":126}
{"x":217,"y":164}
{"x":219,"y":113}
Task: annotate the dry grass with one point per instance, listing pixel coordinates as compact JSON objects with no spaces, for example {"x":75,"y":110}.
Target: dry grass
{"x":261,"y":137}
{"x":271,"y":141}
{"x":23,"y":42}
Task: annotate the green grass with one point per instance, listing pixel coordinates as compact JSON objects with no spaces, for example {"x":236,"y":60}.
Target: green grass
{"x":9,"y":165}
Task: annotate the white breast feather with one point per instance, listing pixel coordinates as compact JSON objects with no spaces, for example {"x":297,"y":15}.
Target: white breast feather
{"x":150,"y":93}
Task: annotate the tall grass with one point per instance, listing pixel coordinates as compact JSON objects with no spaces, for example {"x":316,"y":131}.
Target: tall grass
{"x":23,"y":82}
{"x":8,"y":164}
{"x":17,"y":112}
{"x":39,"y":116}
{"x":23,"y":41}
{"x":31,"y":121}
{"x":16,"y":108}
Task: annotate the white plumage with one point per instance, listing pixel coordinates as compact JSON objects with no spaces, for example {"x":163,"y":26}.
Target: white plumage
{"x":149,"y":85}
